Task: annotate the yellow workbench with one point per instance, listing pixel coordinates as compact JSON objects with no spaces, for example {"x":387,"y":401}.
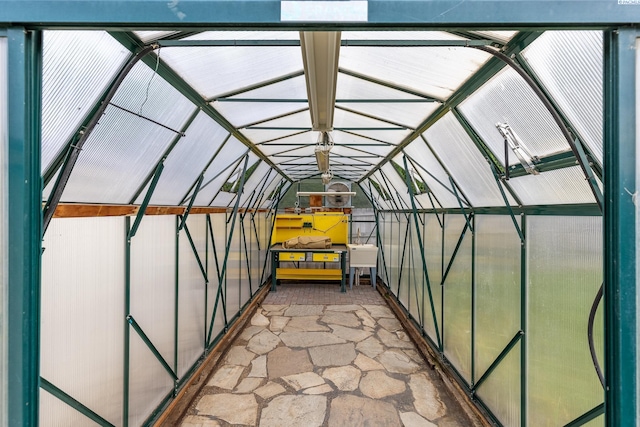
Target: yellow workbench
{"x":337,"y":253}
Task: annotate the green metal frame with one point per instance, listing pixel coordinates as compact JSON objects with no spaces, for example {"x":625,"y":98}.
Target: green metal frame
{"x":75,"y":404}
{"x":24,"y":231}
{"x":620,"y":227}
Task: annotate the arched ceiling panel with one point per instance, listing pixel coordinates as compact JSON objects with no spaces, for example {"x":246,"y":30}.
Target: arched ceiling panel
{"x":507,"y":98}
{"x":569,"y":64}
{"x":464,"y":161}
{"x":202,"y":140}
{"x":75,"y":74}
{"x":214,"y":71}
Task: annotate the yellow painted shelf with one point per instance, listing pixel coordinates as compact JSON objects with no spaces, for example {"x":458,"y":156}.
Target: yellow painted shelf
{"x":309,"y":274}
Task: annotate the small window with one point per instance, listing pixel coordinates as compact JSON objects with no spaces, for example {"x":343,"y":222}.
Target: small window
{"x":232,"y":184}
{"x":417,"y":185}
{"x":381,"y":191}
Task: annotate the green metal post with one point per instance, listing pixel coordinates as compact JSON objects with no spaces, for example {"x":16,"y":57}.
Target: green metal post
{"x":473,"y":302}
{"x":127,"y":331}
{"x":24,"y":225}
{"x":620,"y":227}
{"x":424,"y":261}
{"x":176,"y":300}
{"x":523,"y":322}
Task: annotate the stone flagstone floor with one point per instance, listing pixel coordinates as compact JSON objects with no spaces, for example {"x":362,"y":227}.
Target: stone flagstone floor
{"x":335,"y":365}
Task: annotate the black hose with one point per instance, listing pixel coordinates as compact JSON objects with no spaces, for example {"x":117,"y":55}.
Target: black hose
{"x":592,"y":348}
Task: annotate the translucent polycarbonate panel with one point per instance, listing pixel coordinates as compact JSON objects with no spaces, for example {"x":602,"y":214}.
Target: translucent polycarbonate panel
{"x":246,"y":283}
{"x":188,"y":159}
{"x":417,"y":285}
{"x":82,"y":311}
{"x":191,"y":295}
{"x":430,"y":170}
{"x":386,"y":135}
{"x":565,"y":272}
{"x":464,"y":162}
{"x":242,"y":114}
{"x":503,"y":36}
{"x":410,"y":115}
{"x":149,"y":382}
{"x":457,"y":297}
{"x":560,"y":186}
{"x":75,"y":73}
{"x":153,"y":281}
{"x":397,"y":185}
{"x":147,"y":36}
{"x":399,"y":35}
{"x":501,"y":390}
{"x":404,"y":261}
{"x":355,"y":155}
{"x":569,"y":64}
{"x":432,"y":242}
{"x":258,"y":136}
{"x":214,"y":71}
{"x":498,"y":287}
{"x":349,"y":87}
{"x":116,"y":159}
{"x":296,"y":122}
{"x":294,"y":88}
{"x":144,"y":92}
{"x":255,"y":184}
{"x":447,"y":69}
{"x":54,"y":412}
{"x":4,"y":251}
{"x":233,"y":268}
{"x":346,"y":120}
{"x":507,"y":98}
{"x":215,"y":261}
{"x":219,"y":170}
{"x":358,"y":142}
{"x":279,"y":153}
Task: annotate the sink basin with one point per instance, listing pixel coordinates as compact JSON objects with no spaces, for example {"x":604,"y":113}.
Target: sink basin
{"x":365,"y":255}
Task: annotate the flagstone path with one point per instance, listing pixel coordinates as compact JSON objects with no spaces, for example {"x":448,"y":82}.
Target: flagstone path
{"x":329,"y":363}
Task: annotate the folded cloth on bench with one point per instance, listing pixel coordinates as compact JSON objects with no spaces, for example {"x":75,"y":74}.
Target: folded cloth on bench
{"x":308,"y":242}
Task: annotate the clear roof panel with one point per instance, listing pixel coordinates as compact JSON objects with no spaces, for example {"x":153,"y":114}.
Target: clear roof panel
{"x":407,"y":114}
{"x":242,"y":114}
{"x":120,"y":153}
{"x":195,"y":149}
{"x":433,"y":71}
{"x":255,"y":184}
{"x":75,"y":74}
{"x":295,"y":122}
{"x":560,"y":186}
{"x":508,"y":98}
{"x":263,"y":135}
{"x":144,"y":92}
{"x":569,"y":64}
{"x":149,"y":36}
{"x":502,"y":36}
{"x":399,"y":35}
{"x":226,"y":198}
{"x":291,"y":88}
{"x":432,"y":172}
{"x":465,"y":163}
{"x":386,"y":135}
{"x":219,"y":170}
{"x":214,"y":71}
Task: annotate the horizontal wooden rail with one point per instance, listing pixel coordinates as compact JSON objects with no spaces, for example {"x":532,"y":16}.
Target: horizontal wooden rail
{"x":79,"y":210}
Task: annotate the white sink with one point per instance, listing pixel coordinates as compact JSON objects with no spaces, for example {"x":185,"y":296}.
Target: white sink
{"x":365,"y":255}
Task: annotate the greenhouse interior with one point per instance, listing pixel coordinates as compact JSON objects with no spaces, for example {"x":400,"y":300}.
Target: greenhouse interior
{"x":154,"y":153}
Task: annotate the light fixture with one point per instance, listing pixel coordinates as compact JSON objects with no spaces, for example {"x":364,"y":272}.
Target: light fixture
{"x":519,"y":149}
{"x":324,"y":145}
{"x":327,"y":176}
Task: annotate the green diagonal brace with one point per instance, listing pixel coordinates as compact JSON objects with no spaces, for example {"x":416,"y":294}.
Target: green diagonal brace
{"x":183,"y":224}
{"x":149,"y":344}
{"x":506,"y":201}
{"x":424,"y":261}
{"x":55,"y":391}
{"x":147,"y":198}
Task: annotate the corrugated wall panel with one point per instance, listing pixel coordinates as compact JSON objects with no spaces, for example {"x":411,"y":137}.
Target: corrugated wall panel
{"x":3,"y":228}
{"x":77,"y":67}
{"x":190,"y":296}
{"x":153,"y":281}
{"x":54,"y":412}
{"x":565,"y":272}
{"x":82,"y":314}
{"x":432,"y":240}
{"x":457,"y":298}
{"x":569,"y":64}
{"x":498,"y":314}
{"x":218,"y":225}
